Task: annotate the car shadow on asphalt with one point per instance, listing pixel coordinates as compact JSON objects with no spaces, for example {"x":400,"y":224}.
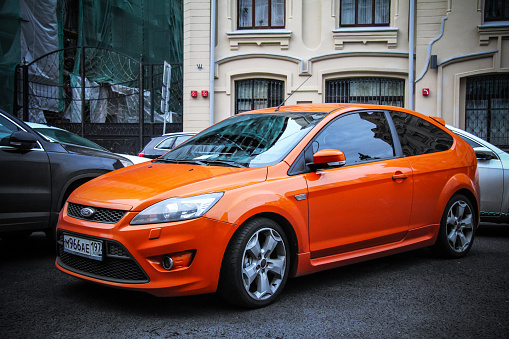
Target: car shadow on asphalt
{"x":493,"y":230}
{"x":91,"y":296}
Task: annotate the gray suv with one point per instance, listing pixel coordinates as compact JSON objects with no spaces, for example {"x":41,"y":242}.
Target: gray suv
{"x":37,"y":175}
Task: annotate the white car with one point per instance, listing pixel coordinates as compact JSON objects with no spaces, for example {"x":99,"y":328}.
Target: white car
{"x":61,"y":135}
{"x":493,"y":165}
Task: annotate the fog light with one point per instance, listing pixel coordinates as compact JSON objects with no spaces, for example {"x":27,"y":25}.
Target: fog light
{"x":167,"y":263}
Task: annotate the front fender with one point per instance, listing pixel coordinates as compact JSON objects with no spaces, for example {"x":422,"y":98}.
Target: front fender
{"x":272,"y":196}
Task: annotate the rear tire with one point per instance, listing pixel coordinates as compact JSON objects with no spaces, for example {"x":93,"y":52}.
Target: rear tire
{"x":457,"y":228}
{"x":256,"y":264}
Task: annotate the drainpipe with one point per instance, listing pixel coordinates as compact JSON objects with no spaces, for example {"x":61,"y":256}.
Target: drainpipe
{"x":411,"y":43}
{"x":212,"y":58}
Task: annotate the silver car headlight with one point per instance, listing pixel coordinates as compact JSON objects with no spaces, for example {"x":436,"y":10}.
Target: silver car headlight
{"x":176,"y":209}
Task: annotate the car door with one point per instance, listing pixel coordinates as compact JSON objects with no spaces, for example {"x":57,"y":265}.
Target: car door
{"x":367,"y":202}
{"x":25,"y":183}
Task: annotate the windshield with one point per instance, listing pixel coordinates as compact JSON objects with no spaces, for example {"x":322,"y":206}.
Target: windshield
{"x":249,"y":140}
{"x":65,"y":137}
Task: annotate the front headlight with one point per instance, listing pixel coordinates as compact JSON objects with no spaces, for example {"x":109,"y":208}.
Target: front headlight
{"x":176,"y":209}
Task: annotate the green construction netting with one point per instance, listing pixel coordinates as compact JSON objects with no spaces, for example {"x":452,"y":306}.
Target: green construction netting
{"x":152,"y":28}
{"x":10,"y":26}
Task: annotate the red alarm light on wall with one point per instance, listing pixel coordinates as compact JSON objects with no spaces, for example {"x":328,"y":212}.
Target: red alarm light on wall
{"x":425,"y":92}
{"x":194,"y":94}
{"x":204,"y":94}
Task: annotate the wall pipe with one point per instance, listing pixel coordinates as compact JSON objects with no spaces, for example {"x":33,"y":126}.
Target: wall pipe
{"x":212,"y":59}
{"x":411,"y":44}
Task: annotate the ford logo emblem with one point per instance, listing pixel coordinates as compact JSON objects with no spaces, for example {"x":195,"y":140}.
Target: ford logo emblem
{"x":87,"y":212}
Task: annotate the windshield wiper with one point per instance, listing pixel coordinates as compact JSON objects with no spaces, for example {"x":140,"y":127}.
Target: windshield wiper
{"x":173,"y":161}
{"x":223,"y":163}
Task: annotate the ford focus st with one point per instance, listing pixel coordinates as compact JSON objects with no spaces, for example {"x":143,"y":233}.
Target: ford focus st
{"x":271,"y":194}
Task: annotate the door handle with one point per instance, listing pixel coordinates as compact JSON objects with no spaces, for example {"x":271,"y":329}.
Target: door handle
{"x":399,"y":175}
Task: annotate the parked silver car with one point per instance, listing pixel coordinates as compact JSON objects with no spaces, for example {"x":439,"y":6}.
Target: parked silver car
{"x":493,"y":165}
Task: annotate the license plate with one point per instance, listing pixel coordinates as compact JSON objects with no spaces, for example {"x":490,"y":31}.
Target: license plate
{"x":92,"y":249}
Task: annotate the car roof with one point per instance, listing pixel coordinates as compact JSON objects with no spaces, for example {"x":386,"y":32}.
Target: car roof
{"x":475,"y":138}
{"x":324,"y":108}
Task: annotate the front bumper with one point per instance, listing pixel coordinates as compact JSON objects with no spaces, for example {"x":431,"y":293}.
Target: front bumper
{"x":132,"y":255}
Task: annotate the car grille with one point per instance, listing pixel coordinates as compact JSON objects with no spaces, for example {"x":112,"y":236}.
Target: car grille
{"x":103,"y":215}
{"x":117,"y":264}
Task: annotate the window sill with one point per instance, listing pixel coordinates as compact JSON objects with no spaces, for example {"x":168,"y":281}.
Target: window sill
{"x":492,"y":29}
{"x":365,"y":35}
{"x":259,"y":37}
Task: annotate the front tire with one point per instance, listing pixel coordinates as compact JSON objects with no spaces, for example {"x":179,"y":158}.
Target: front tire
{"x":256,"y":264}
{"x":457,"y":228}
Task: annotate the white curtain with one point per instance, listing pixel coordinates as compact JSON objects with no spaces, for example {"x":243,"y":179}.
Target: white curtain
{"x":261,"y":13}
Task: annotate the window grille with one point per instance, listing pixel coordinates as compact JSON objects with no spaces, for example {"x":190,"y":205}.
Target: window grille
{"x":258,"y":93}
{"x":261,"y":14}
{"x":487,"y":108}
{"x":377,"y":91}
{"x":365,"y":13}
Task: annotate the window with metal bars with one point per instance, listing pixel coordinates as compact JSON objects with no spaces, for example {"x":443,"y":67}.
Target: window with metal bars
{"x":496,"y":10}
{"x":253,"y":94}
{"x":378,"y":91}
{"x":261,"y":14}
{"x":487,"y":108}
{"x":360,"y":13}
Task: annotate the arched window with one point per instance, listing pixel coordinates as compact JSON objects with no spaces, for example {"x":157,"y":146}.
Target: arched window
{"x":258,"y":93}
{"x":378,"y":91}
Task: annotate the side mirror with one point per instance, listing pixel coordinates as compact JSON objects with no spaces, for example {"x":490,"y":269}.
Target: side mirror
{"x":22,"y":140}
{"x":483,"y":153}
{"x":328,"y":158}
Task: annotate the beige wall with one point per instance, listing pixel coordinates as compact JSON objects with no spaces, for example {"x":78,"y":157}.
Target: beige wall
{"x":311,"y":45}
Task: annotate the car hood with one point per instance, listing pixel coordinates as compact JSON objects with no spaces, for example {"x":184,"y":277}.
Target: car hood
{"x":139,"y":186}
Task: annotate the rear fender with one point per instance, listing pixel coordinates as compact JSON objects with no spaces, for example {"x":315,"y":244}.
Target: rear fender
{"x":459,"y":183}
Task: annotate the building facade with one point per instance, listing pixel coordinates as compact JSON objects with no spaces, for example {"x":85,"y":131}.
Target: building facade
{"x":350,"y":51}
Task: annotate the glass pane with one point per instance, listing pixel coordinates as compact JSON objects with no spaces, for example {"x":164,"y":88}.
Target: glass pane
{"x":245,"y":13}
{"x":6,"y":129}
{"x":278,"y":13}
{"x":492,"y":9}
{"x":166,"y":143}
{"x":382,"y":10}
{"x":347,"y":12}
{"x":261,"y":13}
{"x":361,"y":136}
{"x":417,"y":136}
{"x":250,"y":140}
{"x":365,"y":11}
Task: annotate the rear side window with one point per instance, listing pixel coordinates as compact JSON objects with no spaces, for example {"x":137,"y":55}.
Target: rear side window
{"x":417,"y":136}
{"x":166,"y":143}
{"x":363,"y":136}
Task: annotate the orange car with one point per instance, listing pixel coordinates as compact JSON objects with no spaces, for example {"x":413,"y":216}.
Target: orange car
{"x":274,"y":193}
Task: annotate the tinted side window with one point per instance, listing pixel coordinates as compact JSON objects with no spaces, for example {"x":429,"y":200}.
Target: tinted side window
{"x":417,"y":136}
{"x":166,"y":143}
{"x":363,"y":136}
{"x":6,"y":129}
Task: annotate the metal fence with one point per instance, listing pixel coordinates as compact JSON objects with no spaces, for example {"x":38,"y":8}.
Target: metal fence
{"x":100,"y":94}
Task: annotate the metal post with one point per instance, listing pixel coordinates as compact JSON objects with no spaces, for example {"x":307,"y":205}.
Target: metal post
{"x":82,"y":75}
{"x":25,"y":90}
{"x":141,"y":104}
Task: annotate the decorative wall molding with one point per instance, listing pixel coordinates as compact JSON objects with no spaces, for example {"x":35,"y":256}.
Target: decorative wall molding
{"x":365,"y":35}
{"x":259,"y":37}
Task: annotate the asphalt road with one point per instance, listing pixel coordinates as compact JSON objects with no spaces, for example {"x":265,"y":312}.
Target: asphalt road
{"x":411,"y":295}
